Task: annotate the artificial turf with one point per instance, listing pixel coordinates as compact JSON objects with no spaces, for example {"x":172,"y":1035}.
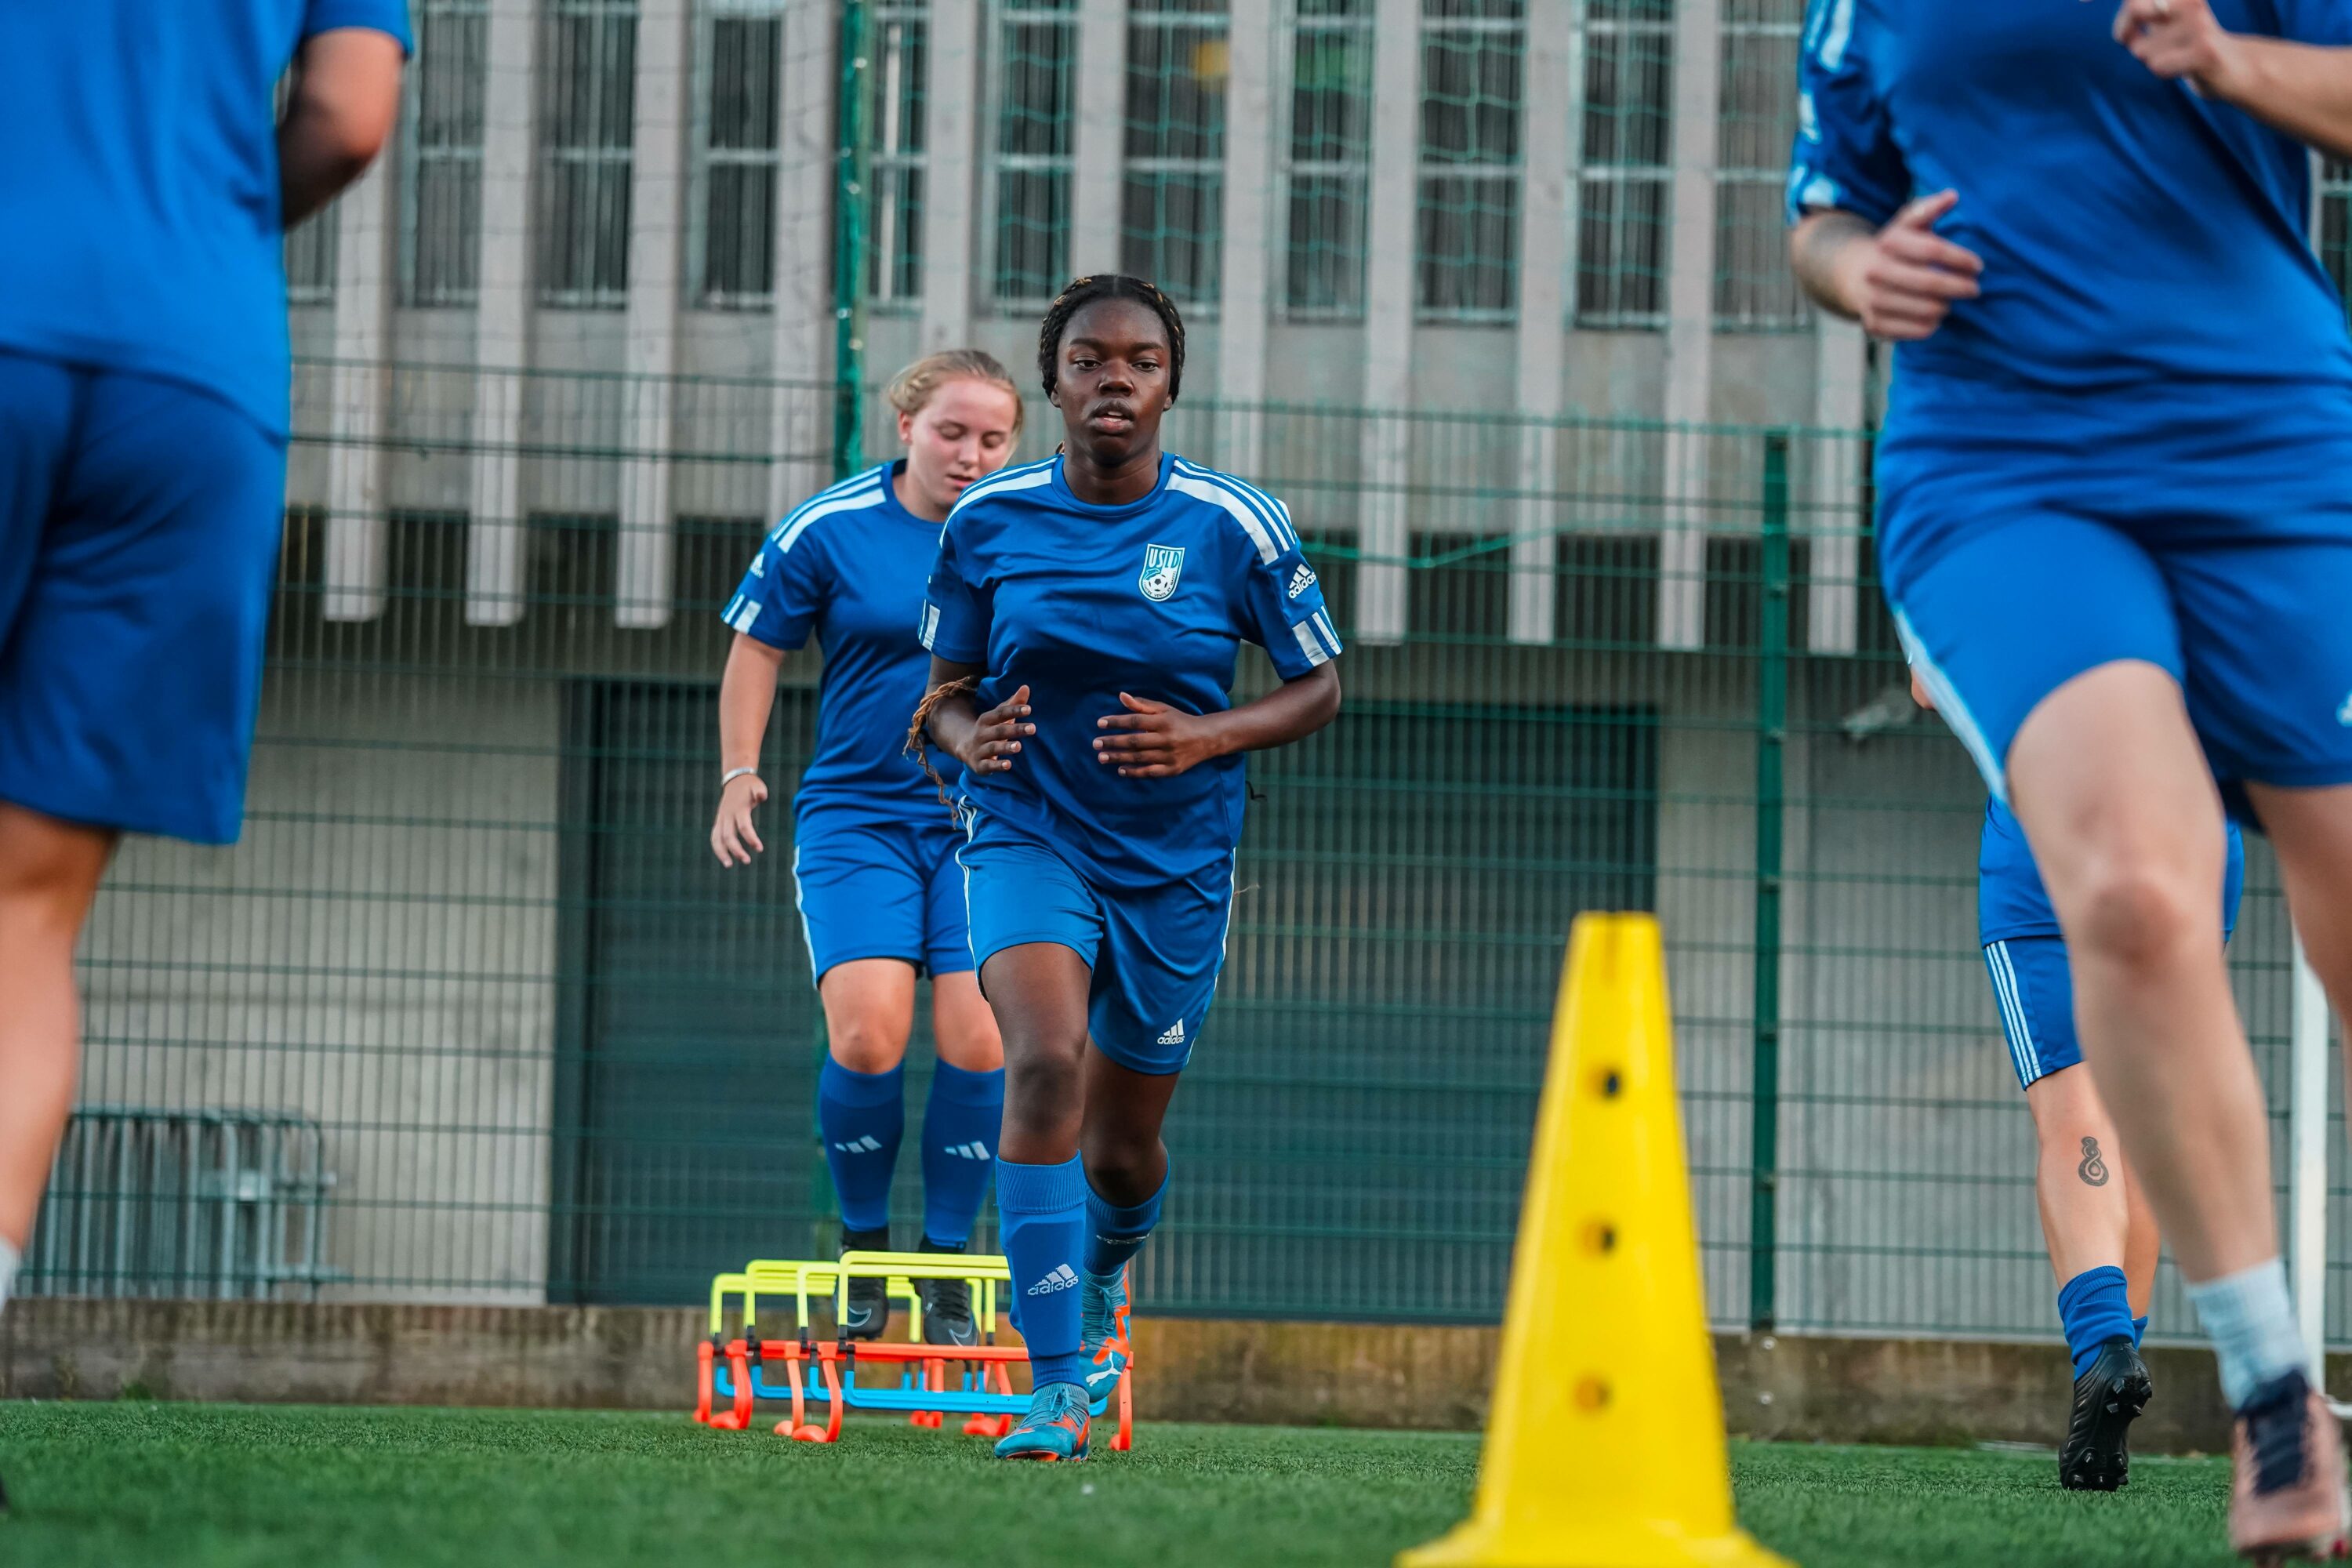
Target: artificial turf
{"x":163,"y":1484}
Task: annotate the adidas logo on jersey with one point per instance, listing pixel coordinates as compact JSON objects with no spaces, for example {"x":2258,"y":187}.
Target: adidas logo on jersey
{"x":1061,"y":1278}
{"x":759,"y":569}
{"x":2344,"y":714}
{"x":1173,"y":1034}
{"x":969,"y":1151}
{"x":866,"y":1145}
{"x":1300,"y":581}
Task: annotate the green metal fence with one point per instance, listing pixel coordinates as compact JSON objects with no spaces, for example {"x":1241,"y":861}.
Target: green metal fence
{"x":474,"y":935}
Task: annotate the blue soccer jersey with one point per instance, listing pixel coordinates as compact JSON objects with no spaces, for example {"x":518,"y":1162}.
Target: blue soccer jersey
{"x":847,"y":564}
{"x":2153,"y":337}
{"x":139,"y":217}
{"x":1080,"y":603}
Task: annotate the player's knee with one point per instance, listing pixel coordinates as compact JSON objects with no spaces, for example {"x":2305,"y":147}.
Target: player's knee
{"x":1043,"y":1088}
{"x":1123,"y":1164}
{"x":866,"y":1043}
{"x":2142,"y":913}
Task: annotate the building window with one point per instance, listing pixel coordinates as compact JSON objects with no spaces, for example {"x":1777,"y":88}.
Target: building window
{"x":1473,"y":88}
{"x":1755,"y":119}
{"x":1329,"y":168}
{"x":1172,"y":217}
{"x":441,"y":198}
{"x":1037,"y":41}
{"x":1624,"y":176}
{"x":901,"y":78}
{"x":739,"y":83}
{"x":587,"y":117}
{"x":310,"y":258}
{"x":2335,"y":223}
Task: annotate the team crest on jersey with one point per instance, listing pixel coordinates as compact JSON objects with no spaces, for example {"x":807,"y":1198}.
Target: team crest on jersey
{"x":1163,"y":565}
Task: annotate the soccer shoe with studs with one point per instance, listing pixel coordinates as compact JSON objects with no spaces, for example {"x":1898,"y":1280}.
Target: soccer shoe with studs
{"x":947,"y":1306}
{"x":2288,"y":1498}
{"x":2108,"y":1397}
{"x":1055,"y":1427}
{"x":866,"y":1314}
{"x":1102,"y":1329}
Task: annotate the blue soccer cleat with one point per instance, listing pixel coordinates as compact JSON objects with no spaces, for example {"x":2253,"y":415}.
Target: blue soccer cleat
{"x":1055,"y":1427}
{"x":1102,"y":1330}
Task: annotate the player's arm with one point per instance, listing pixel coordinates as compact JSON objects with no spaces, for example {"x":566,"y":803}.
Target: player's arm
{"x":983,"y":743}
{"x":747,"y":694}
{"x":339,"y":107}
{"x":1154,"y":740}
{"x":1898,"y":281}
{"x":2303,"y":89}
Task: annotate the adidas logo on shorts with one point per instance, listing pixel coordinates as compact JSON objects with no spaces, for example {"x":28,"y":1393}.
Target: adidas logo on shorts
{"x":970,"y":1151}
{"x":1300,"y":581}
{"x":1173,"y":1034}
{"x":1061,"y":1278}
{"x":866,"y":1145}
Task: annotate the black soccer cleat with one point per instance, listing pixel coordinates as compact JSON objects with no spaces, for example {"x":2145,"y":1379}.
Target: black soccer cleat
{"x":2108,"y":1398}
{"x":947,"y":1306}
{"x":867,"y":1313}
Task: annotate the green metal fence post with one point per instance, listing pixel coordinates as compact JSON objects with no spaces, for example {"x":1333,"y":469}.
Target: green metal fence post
{"x":1771,"y":738}
{"x":852,"y":182}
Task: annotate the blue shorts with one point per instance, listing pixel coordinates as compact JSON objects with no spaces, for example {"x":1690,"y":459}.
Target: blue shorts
{"x":2036,"y":993}
{"x":2253,"y":624}
{"x":1155,"y":953}
{"x":138,"y":529}
{"x":872,"y":889}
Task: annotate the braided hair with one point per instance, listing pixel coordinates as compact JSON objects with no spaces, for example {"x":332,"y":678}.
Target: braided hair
{"x":1085,"y":291}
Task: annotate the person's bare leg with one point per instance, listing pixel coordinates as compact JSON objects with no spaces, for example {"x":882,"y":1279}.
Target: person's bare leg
{"x":2079,"y":1178}
{"x":49,"y":872}
{"x":964,"y":1024}
{"x":2311,"y":831}
{"x":2143,"y":1244}
{"x":2125,"y":822}
{"x":869,"y":1011}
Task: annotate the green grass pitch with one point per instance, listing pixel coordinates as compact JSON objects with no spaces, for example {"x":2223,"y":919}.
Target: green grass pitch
{"x":217,"y":1486}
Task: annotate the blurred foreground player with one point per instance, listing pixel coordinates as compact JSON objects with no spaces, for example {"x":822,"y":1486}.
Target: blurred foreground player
{"x":2116,"y":533}
{"x":143,"y":412}
{"x":2096,"y":1221}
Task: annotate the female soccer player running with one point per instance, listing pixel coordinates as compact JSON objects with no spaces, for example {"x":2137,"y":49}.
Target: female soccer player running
{"x":2101,"y":1238}
{"x":873,"y":855}
{"x":2118,"y":538}
{"x":1084,"y":613}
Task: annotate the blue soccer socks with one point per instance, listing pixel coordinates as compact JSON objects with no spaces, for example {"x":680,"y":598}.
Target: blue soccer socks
{"x":2094,"y":1307}
{"x":861,"y":1116}
{"x":1116,"y":1233}
{"x":961,"y":1122}
{"x":2250,"y":1318}
{"x":1041,"y":1211}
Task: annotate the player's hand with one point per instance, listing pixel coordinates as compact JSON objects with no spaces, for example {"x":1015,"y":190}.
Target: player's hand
{"x":995,"y":736}
{"x":733,"y":837}
{"x":1902,"y":282}
{"x":2180,"y":39}
{"x":1153,"y":741}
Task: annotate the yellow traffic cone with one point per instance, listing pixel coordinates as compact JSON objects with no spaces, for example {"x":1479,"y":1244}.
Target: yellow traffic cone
{"x":1605,"y":1446}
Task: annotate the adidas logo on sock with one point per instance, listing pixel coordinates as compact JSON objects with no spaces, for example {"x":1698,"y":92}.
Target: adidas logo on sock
{"x":1173,"y":1034}
{"x":866,"y":1145}
{"x":1061,"y":1278}
{"x":970,"y":1151}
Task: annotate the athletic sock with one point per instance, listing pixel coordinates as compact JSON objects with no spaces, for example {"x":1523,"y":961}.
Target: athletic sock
{"x":861,"y":1116}
{"x":961,"y":1121}
{"x":2140,"y":1332}
{"x":1041,"y":1211}
{"x":1115,"y":1234}
{"x":2094,"y":1307}
{"x":2250,"y":1318}
{"x":9,"y":1259}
